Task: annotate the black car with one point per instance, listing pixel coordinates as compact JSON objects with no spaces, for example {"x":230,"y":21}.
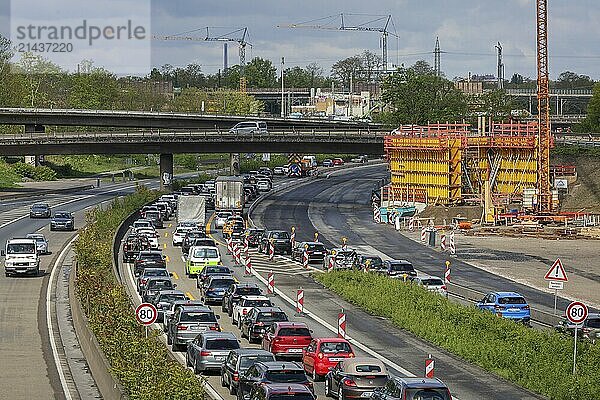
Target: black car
{"x":254,"y":235}
{"x":399,"y":388}
{"x":210,"y":270}
{"x":258,"y":320}
{"x":281,"y":241}
{"x":188,"y":240}
{"x":148,"y":259}
{"x":374,"y":263}
{"x":263,"y":373}
{"x":40,"y":210}
{"x":163,"y":300}
{"x":148,"y":273}
{"x":63,"y":221}
{"x":316,"y":251}
{"x":155,"y":218}
{"x":132,"y":245}
{"x":238,"y":361}
{"x":399,"y":269}
{"x":235,"y":292}
{"x":282,"y":391}
{"x":214,"y":288}
{"x":155,"y":285}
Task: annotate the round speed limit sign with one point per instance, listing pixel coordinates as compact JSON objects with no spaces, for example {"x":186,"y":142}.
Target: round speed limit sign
{"x":146,"y":314}
{"x":577,"y":312}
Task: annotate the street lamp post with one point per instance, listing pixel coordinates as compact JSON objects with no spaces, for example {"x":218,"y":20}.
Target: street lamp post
{"x":282,"y":92}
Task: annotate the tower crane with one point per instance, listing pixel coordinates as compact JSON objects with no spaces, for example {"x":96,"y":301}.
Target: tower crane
{"x":385,"y":22}
{"x":237,"y":35}
{"x":544,"y":134}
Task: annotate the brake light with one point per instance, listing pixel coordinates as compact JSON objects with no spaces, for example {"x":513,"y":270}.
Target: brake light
{"x":236,"y":376}
{"x":526,"y":307}
{"x":244,"y":311}
{"x":320,"y":356}
{"x":205,"y":353}
{"x":215,"y":327}
{"x":351,"y":355}
{"x":182,"y":327}
{"x":348,"y":382}
{"x":444,"y":287}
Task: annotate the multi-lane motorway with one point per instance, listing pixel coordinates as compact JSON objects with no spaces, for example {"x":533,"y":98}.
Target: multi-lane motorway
{"x":334,"y":206}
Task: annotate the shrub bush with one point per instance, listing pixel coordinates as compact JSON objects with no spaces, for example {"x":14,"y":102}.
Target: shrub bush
{"x":540,"y":361}
{"x":41,"y":173}
{"x":141,"y":364}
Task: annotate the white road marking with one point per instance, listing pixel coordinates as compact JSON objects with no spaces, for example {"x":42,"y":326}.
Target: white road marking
{"x":61,"y":374}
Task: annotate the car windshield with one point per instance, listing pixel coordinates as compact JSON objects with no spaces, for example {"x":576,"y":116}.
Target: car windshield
{"x":156,"y":272}
{"x":204,"y":242}
{"x":335,"y":347}
{"x":286,"y":376}
{"x":160,"y":284}
{"x":368,"y":368}
{"x":221,"y":283}
{"x":151,"y":256}
{"x":257,"y":303}
{"x":195,"y":235}
{"x":39,"y":207}
{"x":280,"y":235}
{"x":427,"y":394}
{"x":216,"y":270}
{"x":205,"y":253}
{"x":223,"y":215}
{"x":21,"y":248}
{"x":432,"y":282}
{"x":62,"y":215}
{"x":248,"y":291}
{"x":287,"y":396}
{"x":271,"y":317}
{"x":511,"y":300}
{"x":152,"y":214}
{"x":316,"y":247}
{"x":199,"y":316}
{"x":171,"y":297}
{"x":249,"y":360}
{"x":593,"y":323}
{"x":293,"y":332}
{"x":401,"y":267}
{"x":221,"y":344}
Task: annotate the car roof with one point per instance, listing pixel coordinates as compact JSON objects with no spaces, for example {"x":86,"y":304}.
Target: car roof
{"x":153,"y":269}
{"x":171,"y":292}
{"x":190,"y":303}
{"x":151,"y":252}
{"x":247,"y":351}
{"x":332,"y":340}
{"x":205,"y":247}
{"x":216,"y":334}
{"x":349,"y":364}
{"x":268,"y":309}
{"x":196,"y":308}
{"x":220,"y":276}
{"x":290,"y":324}
{"x":312,"y":243}
{"x":507,"y":294}
{"x":286,"y":388}
{"x":245,"y":284}
{"x":421,"y":382}
{"x":399,"y":262}
{"x":279,"y":365}
{"x":254,"y":297}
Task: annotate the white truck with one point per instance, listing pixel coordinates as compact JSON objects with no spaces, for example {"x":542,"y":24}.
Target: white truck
{"x":21,"y":257}
{"x":191,"y":208}
{"x":229,"y":194}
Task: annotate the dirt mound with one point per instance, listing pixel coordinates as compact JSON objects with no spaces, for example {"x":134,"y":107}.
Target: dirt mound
{"x":441,"y":213}
{"x":584,"y":195}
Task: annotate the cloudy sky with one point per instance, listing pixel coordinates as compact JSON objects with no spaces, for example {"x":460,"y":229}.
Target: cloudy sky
{"x":467,"y":29}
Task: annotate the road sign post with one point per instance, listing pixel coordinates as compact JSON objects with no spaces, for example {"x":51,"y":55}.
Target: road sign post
{"x":576,"y":312}
{"x":341,"y":332}
{"x":429,"y":367}
{"x":300,"y":302}
{"x":146,"y":314}
{"x":557,"y":276}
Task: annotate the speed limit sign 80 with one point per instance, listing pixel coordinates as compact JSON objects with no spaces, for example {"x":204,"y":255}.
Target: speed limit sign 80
{"x":146,"y":314}
{"x":577,"y":312}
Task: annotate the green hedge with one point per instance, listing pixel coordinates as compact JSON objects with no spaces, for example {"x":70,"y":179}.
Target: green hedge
{"x":540,"y":361}
{"x":141,"y":364}
{"x":41,"y":173}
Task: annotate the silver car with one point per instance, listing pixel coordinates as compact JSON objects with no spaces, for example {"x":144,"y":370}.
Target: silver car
{"x":41,"y":243}
{"x":163,"y":300}
{"x":209,"y":350}
{"x":249,"y":127}
{"x":188,"y":322}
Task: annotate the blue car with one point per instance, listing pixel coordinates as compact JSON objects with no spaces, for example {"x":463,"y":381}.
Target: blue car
{"x":509,"y":305}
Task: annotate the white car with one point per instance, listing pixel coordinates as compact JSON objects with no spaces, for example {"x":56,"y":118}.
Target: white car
{"x":221,"y":219}
{"x":141,"y":223}
{"x":244,"y":306}
{"x":151,"y":235}
{"x":179,"y":234}
{"x":279,"y":171}
{"x":263,"y":185}
{"x":433,"y":284}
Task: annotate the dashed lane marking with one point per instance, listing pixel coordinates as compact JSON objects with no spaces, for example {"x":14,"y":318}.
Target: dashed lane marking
{"x":175,"y":276}
{"x":190,"y":296}
{"x":164,"y":245}
{"x":166,"y":234}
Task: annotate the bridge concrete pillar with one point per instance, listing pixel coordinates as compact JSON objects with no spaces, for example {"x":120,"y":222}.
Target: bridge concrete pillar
{"x":34,"y":129}
{"x":235,"y":164}
{"x":166,"y":172}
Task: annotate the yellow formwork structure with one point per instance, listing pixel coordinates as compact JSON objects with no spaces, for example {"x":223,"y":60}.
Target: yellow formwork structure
{"x":431,"y":165}
{"x":447,"y":161}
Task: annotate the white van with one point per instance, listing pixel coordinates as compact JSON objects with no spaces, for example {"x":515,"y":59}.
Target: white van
{"x":249,"y":127}
{"x":21,"y":257}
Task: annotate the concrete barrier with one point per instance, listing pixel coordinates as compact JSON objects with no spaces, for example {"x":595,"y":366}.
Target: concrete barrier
{"x":108,"y":385}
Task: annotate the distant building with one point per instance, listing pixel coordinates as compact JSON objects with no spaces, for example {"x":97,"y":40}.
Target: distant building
{"x":469,"y":87}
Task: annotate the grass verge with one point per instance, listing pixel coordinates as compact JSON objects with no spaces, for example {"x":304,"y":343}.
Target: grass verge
{"x":540,"y":361}
{"x":141,"y":364}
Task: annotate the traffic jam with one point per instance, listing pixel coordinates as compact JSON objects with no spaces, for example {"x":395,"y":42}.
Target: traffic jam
{"x":200,"y":268}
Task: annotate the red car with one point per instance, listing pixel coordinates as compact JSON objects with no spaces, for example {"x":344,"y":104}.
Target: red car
{"x":338,"y":161}
{"x":287,"y":339}
{"x":323,"y":354}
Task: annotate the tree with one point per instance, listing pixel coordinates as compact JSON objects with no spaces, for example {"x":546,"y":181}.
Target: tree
{"x":347,"y":68}
{"x":495,"y":103}
{"x":95,"y":90}
{"x":572,"y":80}
{"x":591,"y":123}
{"x":297,"y":77}
{"x":517,"y":79}
{"x":371,"y":62}
{"x":415,"y":95}
{"x":260,"y":73}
